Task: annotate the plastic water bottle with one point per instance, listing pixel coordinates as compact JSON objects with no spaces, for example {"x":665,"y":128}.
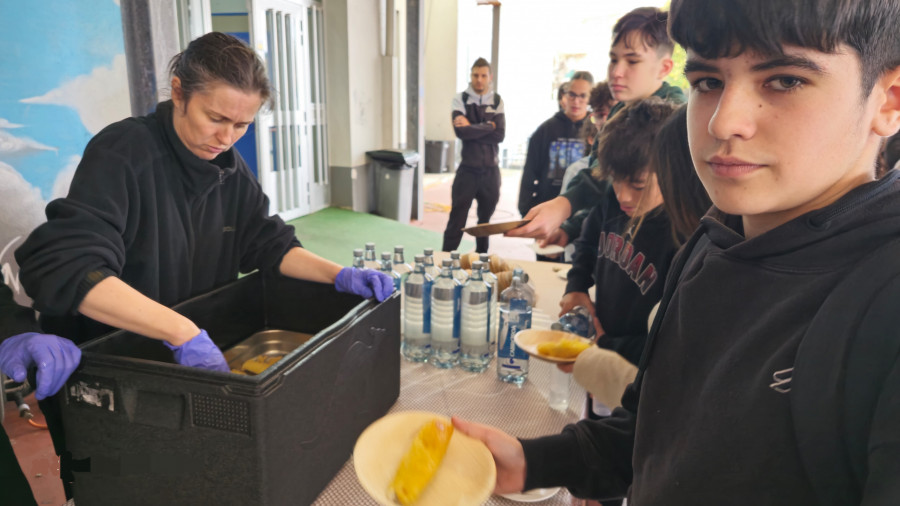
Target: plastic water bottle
{"x":524,"y":277}
{"x":370,"y":259}
{"x":493,"y":307}
{"x":515,"y":315}
{"x":387,"y":267}
{"x":475,"y":328}
{"x":577,"y":321}
{"x":416,"y":345}
{"x":400,"y":264}
{"x":457,"y":270}
{"x":430,"y":268}
{"x":358,"y":261}
{"x":445,"y":320}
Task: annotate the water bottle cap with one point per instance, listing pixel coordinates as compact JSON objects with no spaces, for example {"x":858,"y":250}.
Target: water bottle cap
{"x":446,"y":262}
{"x":370,"y":245}
{"x":398,"y":249}
{"x":385,"y":255}
{"x":429,"y":252}
{"x":454,"y":255}
{"x":484,"y":257}
{"x":420,"y":259}
{"x":357,"y":252}
{"x":477,"y":266}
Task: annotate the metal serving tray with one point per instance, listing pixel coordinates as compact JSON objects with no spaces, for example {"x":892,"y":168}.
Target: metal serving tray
{"x":269,"y":343}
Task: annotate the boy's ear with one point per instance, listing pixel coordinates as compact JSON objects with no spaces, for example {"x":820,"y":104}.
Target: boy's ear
{"x":666,"y":65}
{"x":887,"y":120}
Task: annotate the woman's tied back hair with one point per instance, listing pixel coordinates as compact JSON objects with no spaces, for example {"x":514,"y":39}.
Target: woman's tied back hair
{"x":218,"y":58}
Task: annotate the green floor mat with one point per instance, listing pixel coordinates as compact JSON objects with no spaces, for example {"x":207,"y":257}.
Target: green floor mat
{"x":333,"y":233}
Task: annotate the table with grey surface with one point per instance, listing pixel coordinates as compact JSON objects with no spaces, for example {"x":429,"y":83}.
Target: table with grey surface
{"x":522,"y":412}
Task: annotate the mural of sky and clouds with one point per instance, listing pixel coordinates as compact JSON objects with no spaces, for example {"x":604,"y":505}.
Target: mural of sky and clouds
{"x":63,"y":80}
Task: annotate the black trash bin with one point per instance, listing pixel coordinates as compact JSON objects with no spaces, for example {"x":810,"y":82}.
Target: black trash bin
{"x":436,"y":156}
{"x":394,"y":170}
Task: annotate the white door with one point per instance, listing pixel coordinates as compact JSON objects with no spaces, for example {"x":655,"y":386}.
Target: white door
{"x":291,"y":134}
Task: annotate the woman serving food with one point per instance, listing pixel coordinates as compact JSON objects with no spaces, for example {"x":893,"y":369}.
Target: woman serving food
{"x":162,"y":208}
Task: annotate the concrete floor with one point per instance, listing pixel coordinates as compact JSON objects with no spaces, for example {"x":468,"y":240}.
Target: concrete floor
{"x":35,"y":452}
{"x":33,"y":446}
{"x":437,"y":209}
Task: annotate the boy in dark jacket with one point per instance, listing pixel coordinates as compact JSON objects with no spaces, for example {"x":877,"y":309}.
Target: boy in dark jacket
{"x":790,"y":102}
{"x":625,"y":247}
{"x":555,"y":145}
{"x":639,"y":61}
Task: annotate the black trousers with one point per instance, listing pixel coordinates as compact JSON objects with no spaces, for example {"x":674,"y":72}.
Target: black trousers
{"x":480,"y":185}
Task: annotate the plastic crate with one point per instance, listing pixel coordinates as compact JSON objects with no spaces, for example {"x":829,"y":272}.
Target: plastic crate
{"x":143,"y":430}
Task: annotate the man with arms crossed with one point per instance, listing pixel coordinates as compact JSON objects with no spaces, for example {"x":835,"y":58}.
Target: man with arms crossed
{"x":480,"y":123}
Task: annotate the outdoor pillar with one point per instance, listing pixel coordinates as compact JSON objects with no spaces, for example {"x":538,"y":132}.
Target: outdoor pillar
{"x":415,"y":96}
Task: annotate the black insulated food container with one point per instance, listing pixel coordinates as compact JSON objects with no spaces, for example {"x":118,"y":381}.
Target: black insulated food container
{"x":144,"y":430}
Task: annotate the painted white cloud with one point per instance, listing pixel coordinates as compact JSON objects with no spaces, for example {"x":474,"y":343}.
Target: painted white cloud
{"x":21,"y":210}
{"x":21,"y":205}
{"x":64,"y":178}
{"x":4,"y":123}
{"x":100,"y":98}
{"x":12,"y":146}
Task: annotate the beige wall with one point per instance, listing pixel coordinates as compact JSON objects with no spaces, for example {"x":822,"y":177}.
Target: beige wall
{"x":354,"y":78}
{"x":365,"y":79}
{"x":440,"y":67}
{"x":337,"y":81}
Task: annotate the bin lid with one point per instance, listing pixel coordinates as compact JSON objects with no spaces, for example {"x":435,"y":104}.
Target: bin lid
{"x":397,"y":156}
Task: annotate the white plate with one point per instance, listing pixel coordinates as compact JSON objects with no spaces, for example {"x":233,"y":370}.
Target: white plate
{"x":550,"y":249}
{"x":534,"y":495}
{"x":529,"y":340}
{"x":466,"y":475}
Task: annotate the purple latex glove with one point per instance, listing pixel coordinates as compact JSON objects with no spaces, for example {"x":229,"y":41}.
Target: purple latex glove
{"x":364,"y":282}
{"x":200,"y":352}
{"x":54,"y":356}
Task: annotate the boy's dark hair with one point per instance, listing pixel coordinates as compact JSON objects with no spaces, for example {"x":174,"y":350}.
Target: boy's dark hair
{"x":684,"y":197}
{"x":584,"y":75}
{"x":219,"y":58}
{"x":725,"y":28}
{"x":600,"y":97}
{"x":588,"y":133}
{"x":481,"y":62}
{"x":626,"y":141}
{"x":649,"y":23}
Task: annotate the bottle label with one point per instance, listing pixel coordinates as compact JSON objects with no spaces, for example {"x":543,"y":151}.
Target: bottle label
{"x":489,"y":309}
{"x":426,"y":307}
{"x":518,"y":318}
{"x":522,"y":312}
{"x":457,"y":309}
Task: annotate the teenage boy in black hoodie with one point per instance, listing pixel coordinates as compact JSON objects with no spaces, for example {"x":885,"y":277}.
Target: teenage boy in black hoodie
{"x":790,"y":101}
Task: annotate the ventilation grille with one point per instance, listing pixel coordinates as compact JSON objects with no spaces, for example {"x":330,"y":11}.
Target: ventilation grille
{"x":219,"y":413}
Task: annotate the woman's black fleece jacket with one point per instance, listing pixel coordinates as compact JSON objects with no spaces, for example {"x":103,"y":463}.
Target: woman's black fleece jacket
{"x":143,"y":208}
